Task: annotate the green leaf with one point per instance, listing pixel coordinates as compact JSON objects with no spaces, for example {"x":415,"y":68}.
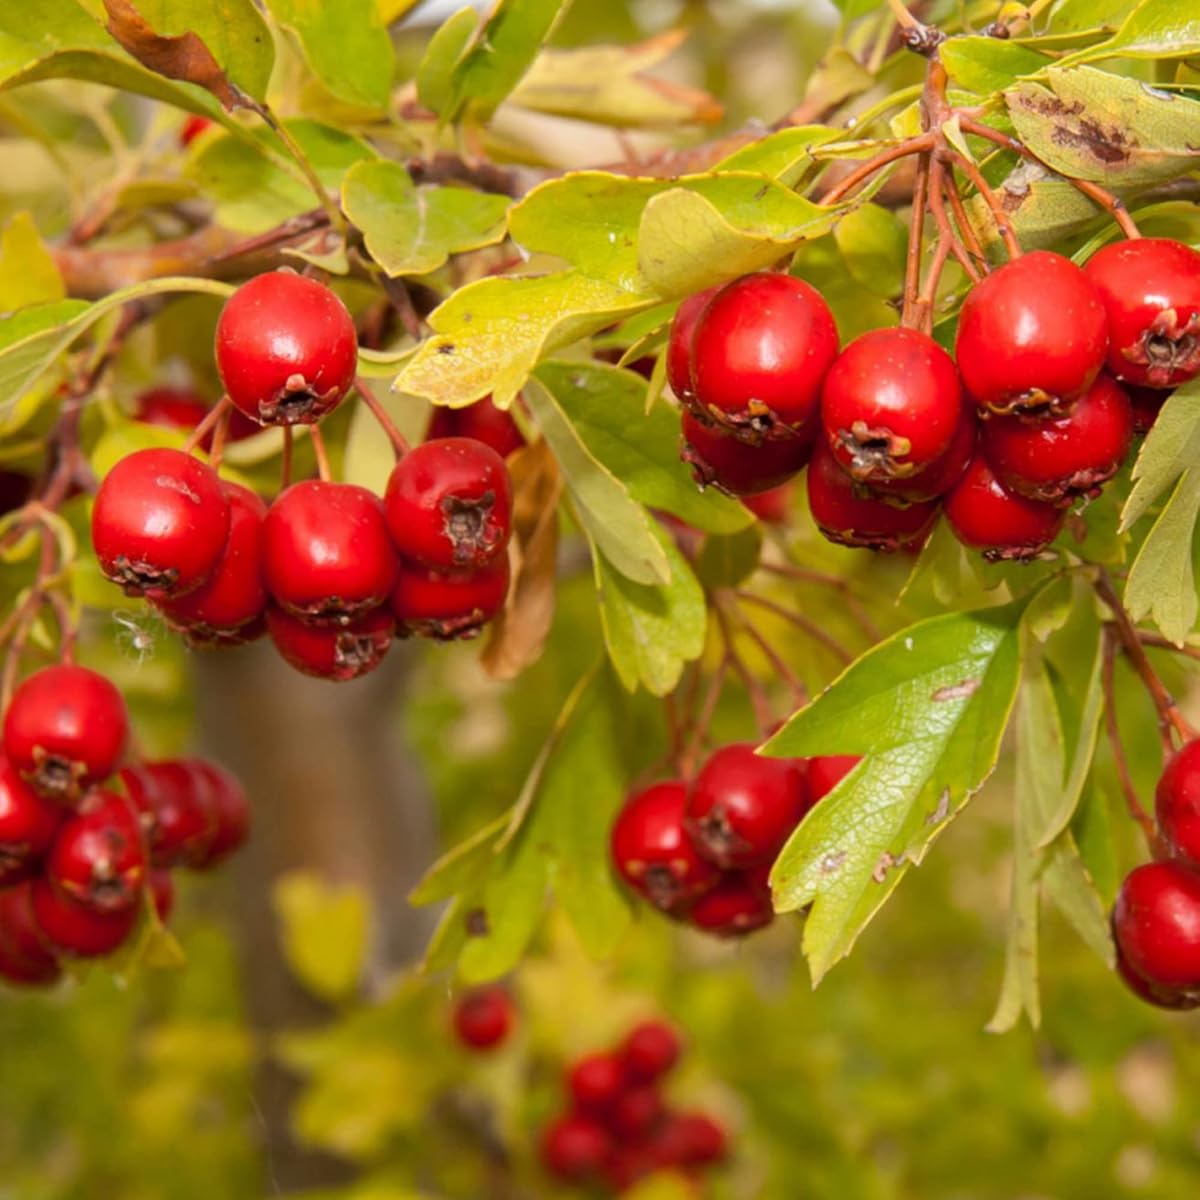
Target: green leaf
{"x":435,"y":72}
{"x":324,"y":933}
{"x":28,"y":273}
{"x":606,"y":406}
{"x":873,"y":243}
{"x":927,"y":708}
{"x":510,"y":906}
{"x":345,"y":44}
{"x":986,"y":64}
{"x":1072,"y":891}
{"x":410,"y":230}
{"x":1170,"y":448}
{"x":783,"y":155}
{"x":611,"y":517}
{"x":459,"y":866}
{"x":1042,"y":209}
{"x":1155,"y":29}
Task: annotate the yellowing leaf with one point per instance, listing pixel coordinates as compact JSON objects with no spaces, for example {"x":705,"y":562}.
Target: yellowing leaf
{"x":28,"y":274}
{"x":324,"y":933}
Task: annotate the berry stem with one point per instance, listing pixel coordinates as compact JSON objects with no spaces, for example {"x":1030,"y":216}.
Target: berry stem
{"x":801,"y":622}
{"x":322,"y":455}
{"x":285,"y":474}
{"x":854,"y":606}
{"x":1158,"y":642}
{"x":916,"y":145}
{"x":965,"y":229}
{"x":764,"y":718}
{"x":799,"y":691}
{"x":398,"y":440}
{"x":916,"y":238}
{"x":938,"y":188}
{"x":212,"y":418}
{"x":1112,"y":729}
{"x":220,"y":434}
{"x":703,"y":718}
{"x":981,"y":185}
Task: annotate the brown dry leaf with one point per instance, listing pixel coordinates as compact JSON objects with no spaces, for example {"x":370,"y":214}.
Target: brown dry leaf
{"x":520,"y":631}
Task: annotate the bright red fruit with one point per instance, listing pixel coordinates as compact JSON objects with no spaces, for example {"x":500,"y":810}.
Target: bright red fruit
{"x":326,"y":551}
{"x":161,"y":885}
{"x":595,"y":1081}
{"x":176,"y":811}
{"x":576,"y":1149}
{"x":826,"y":771}
{"x":448,"y":605}
{"x":1151,"y":993}
{"x":691,"y":1139}
{"x":183,"y":408}
{"x":28,"y":823}
{"x":74,"y":929}
{"x":24,"y":958}
{"x":65,"y":729}
{"x":679,"y":346}
{"x":650,"y":1050}
{"x":1151,"y":292}
{"x":1059,"y":459}
{"x":1147,"y":404}
{"x":449,"y":504}
{"x":1156,"y":923}
{"x":986,"y":516}
{"x":738,"y":905}
{"x":772,"y":507}
{"x":484,"y":1017}
{"x":760,"y":352}
{"x":99,"y":858}
{"x":192,"y":128}
{"x":1177,"y":804}
{"x":230,"y":809}
{"x":159,"y":523}
{"x":1032,"y":336}
{"x":848,"y":513}
{"x":719,"y":459}
{"x":636,"y":1111}
{"x":286,"y":349}
{"x":943,"y":473}
{"x":337,"y":652}
{"x":652,"y":851}
{"x":482,"y":421}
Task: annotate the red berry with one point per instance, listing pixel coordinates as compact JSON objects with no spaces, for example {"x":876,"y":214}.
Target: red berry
{"x":286,"y":349}
{"x":234,"y":594}
{"x":449,"y":504}
{"x":176,"y":810}
{"x":627,"y":1166}
{"x":1156,"y":924}
{"x":1059,"y":459}
{"x":652,"y":851}
{"x":482,"y":421}
{"x":183,"y":408}
{"x":99,"y":855}
{"x":986,"y":516}
{"x":636,"y":1111}
{"x":65,"y":729}
{"x":230,"y":810}
{"x":24,"y":958}
{"x":891,"y":404}
{"x":161,"y":885}
{"x":326,"y":551}
{"x":1147,"y":404}
{"x":772,"y":507}
{"x":1177,"y":804}
{"x":650,"y":1050}
{"x":201,"y":637}
{"x":1151,"y":993}
{"x":679,"y":347}
{"x":575,"y":1149}
{"x":848,"y":513}
{"x":448,"y":605}
{"x":483,"y":1018}
{"x":595,"y":1081}
{"x":192,"y":128}
{"x":70,"y":928}
{"x":760,"y":352}
{"x":691,"y":1139}
{"x":1032,"y":336}
{"x":943,"y":473}
{"x":826,"y":771}
{"x":159,"y":523}
{"x":28,"y":823}
{"x":337,"y":652}
{"x":742,"y":806}
{"x":720,"y":460}
{"x":1150,"y":288}
{"x":738,"y":905}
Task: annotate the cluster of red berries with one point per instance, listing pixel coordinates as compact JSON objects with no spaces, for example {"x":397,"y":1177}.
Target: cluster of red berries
{"x":702,"y":852}
{"x":619,"y":1127}
{"x":1156,"y":920}
{"x":330,"y":571}
{"x":1033,"y":412}
{"x":77,"y":857}
{"x":484,"y":1017}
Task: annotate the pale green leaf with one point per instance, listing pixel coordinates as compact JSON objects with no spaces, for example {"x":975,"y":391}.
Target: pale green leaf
{"x":987,"y":64}
{"x":324,"y":933}
{"x":28,"y":273}
{"x":1155,"y":29}
{"x":1069,"y":887}
{"x":1170,"y":448}
{"x":445,"y":50}
{"x":873,"y":243}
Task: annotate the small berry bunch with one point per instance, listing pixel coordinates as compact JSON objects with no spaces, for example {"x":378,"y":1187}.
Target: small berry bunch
{"x":619,"y":1127}
{"x":484,"y":1017}
{"x":78,"y":858}
{"x":329,"y":570}
{"x":702,"y":852}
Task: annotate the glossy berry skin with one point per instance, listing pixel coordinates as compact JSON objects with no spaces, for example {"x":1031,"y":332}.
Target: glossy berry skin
{"x":230,"y":811}
{"x":161,"y":885}
{"x":1146,"y":404}
{"x":484,"y":1017}
{"x":73,"y":929}
{"x":28,"y":823}
{"x":449,"y":504}
{"x":235,"y":593}
{"x":679,"y":344}
{"x":1160,"y":997}
{"x":1150,"y":288}
{"x":99,"y":856}
{"x":65,"y":729}
{"x":986,"y":516}
{"x":481,"y":421}
{"x":336,"y":652}
{"x":1156,"y":924}
{"x":175,"y":809}
{"x":650,"y":1050}
{"x":182,"y":408}
{"x":772,"y":507}
{"x":847,"y":513}
{"x":1060,"y":459}
{"x":891,"y":404}
{"x":636,"y":1112}
{"x":760,"y":352}
{"x":1177,"y":804}
{"x":286,"y":349}
{"x":326,"y":551}
{"x":595,"y":1082}
{"x":24,"y":958}
{"x":738,"y":905}
{"x":1032,"y":335}
{"x":826,"y":771}
{"x":742,"y":807}
{"x":448,"y":605}
{"x":652,"y":851}
{"x":691,"y":1139}
{"x":935,"y":480}
{"x":575,"y":1149}
{"x":737,"y":468}
{"x":159,"y":523}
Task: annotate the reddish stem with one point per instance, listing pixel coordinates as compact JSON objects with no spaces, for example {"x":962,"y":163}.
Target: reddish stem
{"x":916,"y":145}
{"x":217,"y":413}
{"x":981,"y":185}
{"x":1112,"y":729}
{"x":398,"y":440}
{"x":801,"y":622}
{"x":322,"y":455}
{"x":916,"y":236}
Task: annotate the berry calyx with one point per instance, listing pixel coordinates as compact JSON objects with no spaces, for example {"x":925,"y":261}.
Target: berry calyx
{"x":986,"y":516}
{"x":484,"y":1017}
{"x":28,"y":823}
{"x":286,"y":349}
{"x":760,"y":351}
{"x":99,"y":857}
{"x":481,"y":421}
{"x":595,"y":1082}
{"x":721,"y":460}
{"x":1177,"y":804}
{"x":1032,"y":335}
{"x":891,"y":404}
{"x":736,"y":906}
{"x":159,"y":523}
{"x":24,"y":957}
{"x":65,"y":729}
{"x":70,"y":928}
{"x":679,"y":344}
{"x":942,"y":474}
{"x":650,"y":1050}
{"x":1150,"y":288}
{"x":576,"y":1149}
{"x":447,"y":605}
{"x":337,"y":652}
{"x":1156,"y":924}
{"x":826,"y":771}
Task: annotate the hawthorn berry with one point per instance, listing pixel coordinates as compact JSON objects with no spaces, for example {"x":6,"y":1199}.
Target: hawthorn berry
{"x":28,"y":823}
{"x":183,"y":408}
{"x":736,"y":906}
{"x":721,"y":460}
{"x":192,"y":128}
{"x":286,"y":349}
{"x":652,"y":851}
{"x":337,"y":652}
{"x":481,"y":421}
{"x":576,"y":1149}
{"x":230,"y":811}
{"x":1032,"y":335}
{"x":1059,"y":459}
{"x":595,"y":1081}
{"x":70,"y":928}
{"x":327,"y":555}
{"x":1152,"y":993}
{"x":679,"y":344}
{"x":742,"y":806}
{"x":99,"y":857}
{"x":760,"y":351}
{"x":1150,"y":288}
{"x":935,"y":480}
{"x":1146,"y":404}
{"x":636,"y":1111}
{"x":650,"y":1050}
{"x":483,"y":1017}
{"x":176,"y":811}
{"x":159,"y":523}
{"x":449,"y":504}
{"x":160,"y":883}
{"x":1156,"y":924}
{"x":691,"y":1139}
{"x":448,"y":605}
{"x":24,"y":956}
{"x":986,"y":516}
{"x":826,"y":771}
{"x":1177,"y":804}
{"x":850,"y":514}
{"x":65,"y":729}
{"x":772,"y":507}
